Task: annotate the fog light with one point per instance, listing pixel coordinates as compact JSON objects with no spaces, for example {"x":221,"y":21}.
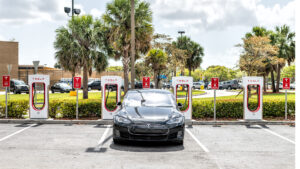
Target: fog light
{"x":117,"y":133}
{"x":179,"y":134}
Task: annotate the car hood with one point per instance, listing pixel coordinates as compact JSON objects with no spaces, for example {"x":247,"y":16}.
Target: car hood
{"x":149,"y":113}
{"x":22,"y":85}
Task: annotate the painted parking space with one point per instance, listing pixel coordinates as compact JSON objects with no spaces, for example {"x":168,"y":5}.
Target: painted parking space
{"x":90,"y":146}
{"x":246,"y":147}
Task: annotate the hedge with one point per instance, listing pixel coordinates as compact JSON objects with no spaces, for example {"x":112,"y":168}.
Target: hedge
{"x":230,"y":108}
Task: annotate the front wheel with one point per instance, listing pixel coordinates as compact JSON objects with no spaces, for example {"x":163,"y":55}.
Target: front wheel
{"x":52,"y":91}
{"x":117,"y":141}
{"x":89,"y":89}
{"x":229,"y":88}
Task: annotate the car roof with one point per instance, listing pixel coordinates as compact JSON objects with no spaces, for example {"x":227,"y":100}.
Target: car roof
{"x":149,"y":91}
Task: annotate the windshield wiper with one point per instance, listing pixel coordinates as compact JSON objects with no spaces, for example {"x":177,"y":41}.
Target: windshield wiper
{"x":143,"y":100}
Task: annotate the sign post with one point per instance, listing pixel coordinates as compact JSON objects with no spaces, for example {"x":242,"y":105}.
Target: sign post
{"x":215,"y":86}
{"x":146,"y":82}
{"x":77,"y":85}
{"x":286,"y":85}
{"x":6,"y":84}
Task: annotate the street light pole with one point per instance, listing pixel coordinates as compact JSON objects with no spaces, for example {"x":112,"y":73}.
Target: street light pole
{"x":181,"y":32}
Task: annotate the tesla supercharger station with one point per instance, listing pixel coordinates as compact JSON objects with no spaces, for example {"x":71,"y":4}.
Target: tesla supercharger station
{"x":109,"y":85}
{"x":253,"y":86}
{"x":184,"y":83}
{"x":38,"y":96}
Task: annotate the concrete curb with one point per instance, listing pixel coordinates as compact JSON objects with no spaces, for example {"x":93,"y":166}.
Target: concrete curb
{"x":109,"y":122}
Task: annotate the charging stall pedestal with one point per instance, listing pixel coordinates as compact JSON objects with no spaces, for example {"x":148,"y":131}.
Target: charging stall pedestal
{"x":110,"y":84}
{"x":38,"y":96}
{"x":257,"y":84}
{"x":184,"y":82}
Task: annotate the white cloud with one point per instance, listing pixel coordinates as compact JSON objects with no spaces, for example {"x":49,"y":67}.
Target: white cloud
{"x":277,"y":15}
{"x":229,"y":58}
{"x":18,"y":12}
{"x":220,"y":14}
{"x":96,"y":13}
{"x":2,"y":38}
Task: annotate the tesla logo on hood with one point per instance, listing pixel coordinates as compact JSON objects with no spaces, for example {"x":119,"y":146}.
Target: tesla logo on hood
{"x":148,"y":125}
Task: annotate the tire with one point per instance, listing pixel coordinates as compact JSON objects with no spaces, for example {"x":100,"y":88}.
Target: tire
{"x":180,"y":142}
{"x":117,"y":141}
{"x":89,"y":88}
{"x":229,"y":88}
{"x":52,"y":91}
{"x":193,"y":88}
{"x":15,"y":92}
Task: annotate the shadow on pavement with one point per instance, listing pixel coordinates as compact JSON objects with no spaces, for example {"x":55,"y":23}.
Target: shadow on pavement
{"x":134,"y":146}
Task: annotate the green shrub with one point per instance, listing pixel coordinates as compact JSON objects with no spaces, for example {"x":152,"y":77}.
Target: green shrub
{"x":234,"y":108}
{"x":15,"y":109}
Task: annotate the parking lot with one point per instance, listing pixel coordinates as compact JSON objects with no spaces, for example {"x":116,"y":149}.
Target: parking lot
{"x":88,"y":146}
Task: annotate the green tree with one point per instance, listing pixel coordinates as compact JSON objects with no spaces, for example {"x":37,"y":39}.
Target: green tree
{"x":289,"y":72}
{"x":85,"y":40}
{"x":157,"y":60}
{"x":193,"y":51}
{"x":114,"y":68}
{"x":117,"y":20}
{"x":141,"y":70}
{"x":222,"y":72}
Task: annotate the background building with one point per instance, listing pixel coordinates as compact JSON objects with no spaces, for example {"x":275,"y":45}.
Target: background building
{"x":9,"y":54}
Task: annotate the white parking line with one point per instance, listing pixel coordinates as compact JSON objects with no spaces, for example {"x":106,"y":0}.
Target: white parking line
{"x":100,"y":142}
{"x":278,"y":135}
{"x":197,"y":141}
{"x":17,"y":132}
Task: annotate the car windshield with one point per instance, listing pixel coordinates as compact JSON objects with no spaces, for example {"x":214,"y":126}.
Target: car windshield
{"x":64,"y":85}
{"x":19,"y":83}
{"x":135,"y":99}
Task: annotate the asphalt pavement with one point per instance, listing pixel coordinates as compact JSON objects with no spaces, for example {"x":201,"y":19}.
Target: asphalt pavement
{"x":48,"y":146}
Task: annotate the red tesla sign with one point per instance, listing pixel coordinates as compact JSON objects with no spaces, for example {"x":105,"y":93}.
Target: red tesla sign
{"x":146,"y":82}
{"x":77,"y":82}
{"x":214,"y":83}
{"x":286,"y":83}
{"x":5,"y":81}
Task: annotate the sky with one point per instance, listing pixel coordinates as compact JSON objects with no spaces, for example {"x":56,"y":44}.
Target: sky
{"x":217,"y":25}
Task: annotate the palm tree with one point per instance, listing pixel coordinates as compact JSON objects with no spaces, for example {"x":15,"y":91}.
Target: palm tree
{"x":117,"y":19}
{"x":132,"y":27}
{"x":194,"y":52}
{"x":84,"y":44}
{"x":195,"y":57}
{"x":157,"y":60}
{"x":67,"y":53}
{"x":283,"y":38}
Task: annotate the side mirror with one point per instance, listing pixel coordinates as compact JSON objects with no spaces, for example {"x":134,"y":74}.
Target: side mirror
{"x":119,"y":104}
{"x":179,"y":105}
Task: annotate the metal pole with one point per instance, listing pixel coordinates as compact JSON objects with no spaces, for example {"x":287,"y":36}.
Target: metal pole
{"x":72,"y":8}
{"x":285,"y":104}
{"x":76,"y":104}
{"x":5,"y":102}
{"x":215,"y":105}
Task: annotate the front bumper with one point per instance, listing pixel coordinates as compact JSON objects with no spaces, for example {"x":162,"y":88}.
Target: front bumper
{"x":141,"y":132}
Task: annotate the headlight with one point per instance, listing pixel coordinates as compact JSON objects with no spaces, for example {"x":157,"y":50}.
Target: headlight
{"x":120,"y":119}
{"x":176,"y":120}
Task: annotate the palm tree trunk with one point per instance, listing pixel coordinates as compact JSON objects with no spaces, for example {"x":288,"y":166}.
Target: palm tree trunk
{"x":85,"y":82}
{"x":265,"y":89}
{"x":278,"y":77}
{"x":155,"y":79}
{"x":132,"y":45}
{"x":73,"y":75}
{"x":126,"y":61}
{"x":273,"y":81}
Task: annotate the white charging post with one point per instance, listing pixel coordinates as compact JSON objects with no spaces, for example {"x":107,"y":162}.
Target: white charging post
{"x":38,"y":96}
{"x":109,"y":84}
{"x":257,"y":83}
{"x":188,"y":82}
